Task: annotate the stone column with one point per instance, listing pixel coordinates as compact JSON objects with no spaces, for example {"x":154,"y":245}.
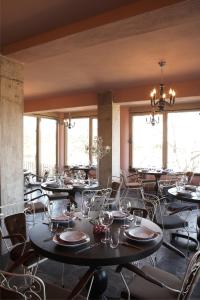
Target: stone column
{"x":11,"y":131}
{"x":109,"y":130}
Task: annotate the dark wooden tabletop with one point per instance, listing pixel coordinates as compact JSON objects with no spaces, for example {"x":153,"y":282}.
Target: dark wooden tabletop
{"x":192,"y":197}
{"x":101,"y":255}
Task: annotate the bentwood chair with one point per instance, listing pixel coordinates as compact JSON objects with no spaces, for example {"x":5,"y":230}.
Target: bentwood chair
{"x":115,"y":183}
{"x":25,"y":286}
{"x":131,"y":182}
{"x":152,"y":283}
{"x":20,"y":247}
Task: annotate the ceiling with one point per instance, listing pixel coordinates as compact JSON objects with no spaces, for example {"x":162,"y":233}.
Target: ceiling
{"x":63,"y":53}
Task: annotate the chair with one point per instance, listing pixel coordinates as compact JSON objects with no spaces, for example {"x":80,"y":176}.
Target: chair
{"x":33,"y":180}
{"x":131,"y":182}
{"x":169,"y":220}
{"x":115,"y":183}
{"x":20,"y":246}
{"x":153,"y":283}
{"x":25,"y":286}
{"x":94,"y":200}
{"x":33,"y":203}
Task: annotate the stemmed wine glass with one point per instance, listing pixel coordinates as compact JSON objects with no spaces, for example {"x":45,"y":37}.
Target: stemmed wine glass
{"x":125,"y":206}
{"x":106,"y":219}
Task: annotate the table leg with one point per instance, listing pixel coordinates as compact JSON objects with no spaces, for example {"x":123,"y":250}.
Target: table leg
{"x":95,"y":280}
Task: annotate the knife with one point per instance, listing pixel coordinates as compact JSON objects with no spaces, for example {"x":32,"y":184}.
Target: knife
{"x":87,"y":248}
{"x":130,"y":245}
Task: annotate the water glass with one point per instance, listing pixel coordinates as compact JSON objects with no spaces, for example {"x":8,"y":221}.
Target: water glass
{"x":114,"y":238}
{"x":106,"y":219}
{"x":138,"y":218}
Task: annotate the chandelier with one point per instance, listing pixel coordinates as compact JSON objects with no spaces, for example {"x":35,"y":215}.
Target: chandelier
{"x":97,"y":148}
{"x":152,"y":119}
{"x":159,"y":102}
{"x":68,"y":122}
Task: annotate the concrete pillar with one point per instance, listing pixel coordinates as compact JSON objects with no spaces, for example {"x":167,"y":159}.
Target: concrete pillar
{"x":11,"y":131}
{"x":109,"y":130}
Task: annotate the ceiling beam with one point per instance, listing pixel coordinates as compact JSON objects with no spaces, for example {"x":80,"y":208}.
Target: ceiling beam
{"x":121,"y":13}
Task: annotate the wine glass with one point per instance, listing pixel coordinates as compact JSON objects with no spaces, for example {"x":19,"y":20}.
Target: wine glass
{"x":106,"y":219}
{"x":125,"y":206}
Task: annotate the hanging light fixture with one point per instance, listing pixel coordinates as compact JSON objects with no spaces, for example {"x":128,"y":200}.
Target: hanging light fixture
{"x":68,"y":122}
{"x":152,"y":119}
{"x":159,"y":103}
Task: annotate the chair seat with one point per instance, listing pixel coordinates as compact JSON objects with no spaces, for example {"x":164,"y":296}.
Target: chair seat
{"x":143,"y":289}
{"x":36,"y":207}
{"x":172,"y":222}
{"x":133,"y":185}
{"x":178,"y":205}
{"x":16,"y":252}
{"x":57,"y":196}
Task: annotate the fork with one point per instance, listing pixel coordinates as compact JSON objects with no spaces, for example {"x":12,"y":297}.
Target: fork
{"x":87,"y":248}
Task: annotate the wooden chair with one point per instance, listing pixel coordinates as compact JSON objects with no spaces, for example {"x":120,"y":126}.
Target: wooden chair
{"x":20,"y":245}
{"x":154,"y":283}
{"x":25,"y":286}
{"x":131,"y":182}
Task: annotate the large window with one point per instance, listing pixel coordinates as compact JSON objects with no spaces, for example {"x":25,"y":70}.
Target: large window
{"x":183,"y":141}
{"x":174,"y":143}
{"x":48,"y":131}
{"x":77,"y":138}
{"x":147,"y":143}
{"x":40,"y":142}
{"x":30,"y":130}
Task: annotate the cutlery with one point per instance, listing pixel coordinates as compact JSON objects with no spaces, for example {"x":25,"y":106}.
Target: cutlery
{"x":130,"y":245}
{"x":87,"y":248}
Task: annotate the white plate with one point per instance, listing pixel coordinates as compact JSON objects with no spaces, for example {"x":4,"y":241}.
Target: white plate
{"x":140,"y":234}
{"x":73,"y":236}
{"x":64,"y":244}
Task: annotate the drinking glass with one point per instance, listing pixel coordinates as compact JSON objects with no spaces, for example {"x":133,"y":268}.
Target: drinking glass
{"x":86,"y":206}
{"x":65,"y":212}
{"x":106,"y":219}
{"x":114,"y":238}
{"x":125,"y":206}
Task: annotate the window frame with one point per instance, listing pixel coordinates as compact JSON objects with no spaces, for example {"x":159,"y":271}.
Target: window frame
{"x":90,"y":136}
{"x":165,"y":132}
{"x":38,"y":135}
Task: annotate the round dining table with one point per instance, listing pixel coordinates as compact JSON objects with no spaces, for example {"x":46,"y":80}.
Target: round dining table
{"x":94,"y":257}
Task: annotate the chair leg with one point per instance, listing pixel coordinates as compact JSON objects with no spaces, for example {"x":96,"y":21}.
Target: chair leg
{"x":126,"y":285}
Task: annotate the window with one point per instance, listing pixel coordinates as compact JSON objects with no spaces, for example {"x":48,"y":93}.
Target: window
{"x":147,"y":143}
{"x":175,"y":146}
{"x":48,"y":130}
{"x":183,"y":141}
{"x":77,"y":138}
{"x":30,"y":126}
{"x":40,"y":143}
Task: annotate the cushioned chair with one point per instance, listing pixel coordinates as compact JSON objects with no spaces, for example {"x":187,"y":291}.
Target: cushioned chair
{"x":24,"y":286}
{"x":169,"y":220}
{"x":17,"y":234}
{"x":131,"y":182}
{"x":153,"y":283}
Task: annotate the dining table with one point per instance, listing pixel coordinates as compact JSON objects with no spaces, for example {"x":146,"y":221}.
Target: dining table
{"x":71,"y":188}
{"x":95,"y":255}
{"x":189,"y":194}
{"x":86,"y":169}
{"x":157,"y":175}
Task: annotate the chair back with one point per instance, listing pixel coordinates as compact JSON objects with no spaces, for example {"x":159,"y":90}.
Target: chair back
{"x":97,"y":199}
{"x":191,"y":277}
{"x":152,"y":205}
{"x":21,"y":286}
{"x":16,"y":224}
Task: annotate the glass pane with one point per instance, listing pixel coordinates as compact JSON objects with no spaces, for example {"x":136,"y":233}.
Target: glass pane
{"x":30,"y":126}
{"x":48,"y":145}
{"x":77,"y":139}
{"x":184,"y":141}
{"x":94,"y":134}
{"x":147,"y":142}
